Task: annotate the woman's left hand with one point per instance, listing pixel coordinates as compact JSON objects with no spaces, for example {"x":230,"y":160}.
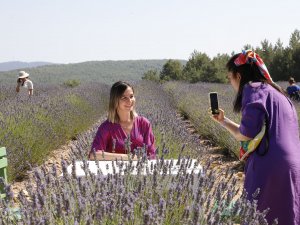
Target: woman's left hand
{"x":219,"y":117}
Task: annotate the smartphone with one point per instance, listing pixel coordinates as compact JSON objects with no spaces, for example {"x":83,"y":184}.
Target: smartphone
{"x":214,"y":105}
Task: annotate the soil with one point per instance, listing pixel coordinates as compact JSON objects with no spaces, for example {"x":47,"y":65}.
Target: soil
{"x":220,"y":159}
{"x":64,"y":152}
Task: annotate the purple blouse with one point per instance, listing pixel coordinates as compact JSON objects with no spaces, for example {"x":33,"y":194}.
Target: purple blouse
{"x":110,"y":136}
{"x":277,"y":173}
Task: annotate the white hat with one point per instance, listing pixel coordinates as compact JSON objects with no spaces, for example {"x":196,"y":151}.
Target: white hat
{"x":23,"y":74}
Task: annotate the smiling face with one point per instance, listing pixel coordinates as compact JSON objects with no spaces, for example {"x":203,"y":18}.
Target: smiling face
{"x":126,"y":101}
{"x":234,"y":80}
{"x":121,"y":101}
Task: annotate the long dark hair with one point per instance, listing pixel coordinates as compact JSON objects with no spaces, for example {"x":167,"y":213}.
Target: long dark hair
{"x":19,"y":81}
{"x":249,"y":72}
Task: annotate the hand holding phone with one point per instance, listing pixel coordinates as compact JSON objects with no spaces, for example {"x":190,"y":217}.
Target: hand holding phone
{"x":214,"y":105}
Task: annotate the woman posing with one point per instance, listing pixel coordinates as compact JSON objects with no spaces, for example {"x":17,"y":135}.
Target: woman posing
{"x":123,"y":131}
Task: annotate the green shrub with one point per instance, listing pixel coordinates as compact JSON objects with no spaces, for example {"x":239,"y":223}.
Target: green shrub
{"x":72,"y":83}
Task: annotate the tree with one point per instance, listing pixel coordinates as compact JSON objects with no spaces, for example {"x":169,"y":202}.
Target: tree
{"x":294,"y":50}
{"x":198,"y":67}
{"x":295,"y":67}
{"x":295,"y":40}
{"x":266,"y":52}
{"x":220,"y":71}
{"x":172,"y":70}
{"x":151,"y":75}
{"x":248,"y":47}
{"x":280,"y":65}
{"x":278,"y":46}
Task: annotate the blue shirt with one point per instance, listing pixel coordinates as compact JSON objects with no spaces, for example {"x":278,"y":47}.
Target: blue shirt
{"x":293,"y":88}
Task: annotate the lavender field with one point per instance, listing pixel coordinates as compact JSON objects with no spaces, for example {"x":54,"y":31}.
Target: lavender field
{"x":31,"y":128}
{"x":192,"y":101}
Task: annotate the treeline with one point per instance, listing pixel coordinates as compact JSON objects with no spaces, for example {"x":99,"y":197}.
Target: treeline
{"x":282,"y":62}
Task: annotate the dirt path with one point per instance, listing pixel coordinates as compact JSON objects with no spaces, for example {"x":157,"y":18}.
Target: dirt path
{"x":64,"y":152}
{"x":220,"y":160}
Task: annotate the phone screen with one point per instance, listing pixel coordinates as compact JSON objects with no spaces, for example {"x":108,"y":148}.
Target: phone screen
{"x":214,"y":105}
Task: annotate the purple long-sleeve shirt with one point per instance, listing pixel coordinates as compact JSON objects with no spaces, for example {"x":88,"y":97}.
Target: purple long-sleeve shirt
{"x":140,"y":135}
{"x":277,"y":173}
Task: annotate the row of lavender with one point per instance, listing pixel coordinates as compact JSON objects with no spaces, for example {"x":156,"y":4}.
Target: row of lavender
{"x":172,"y":139}
{"x":192,"y":101}
{"x":154,"y":198}
{"x":31,"y":127}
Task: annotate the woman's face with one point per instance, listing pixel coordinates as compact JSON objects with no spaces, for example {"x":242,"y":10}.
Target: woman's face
{"x":22,"y":80}
{"x":234,"y":80}
{"x":127,"y":100}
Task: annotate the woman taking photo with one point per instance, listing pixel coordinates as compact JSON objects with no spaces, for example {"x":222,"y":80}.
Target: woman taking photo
{"x":124,"y":131}
{"x":274,"y":166}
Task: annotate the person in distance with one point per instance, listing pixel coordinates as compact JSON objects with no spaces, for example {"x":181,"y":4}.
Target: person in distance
{"x":124,"y":131}
{"x":269,"y":118}
{"x":293,"y":89}
{"x":24,"y":82}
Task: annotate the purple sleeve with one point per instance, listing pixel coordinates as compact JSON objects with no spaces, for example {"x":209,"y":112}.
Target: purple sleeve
{"x":101,"y":138}
{"x":149,"y":139}
{"x":253,"y":113}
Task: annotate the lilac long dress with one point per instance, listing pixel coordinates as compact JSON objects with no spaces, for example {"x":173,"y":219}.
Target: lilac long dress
{"x":140,"y":135}
{"x":277,"y":173}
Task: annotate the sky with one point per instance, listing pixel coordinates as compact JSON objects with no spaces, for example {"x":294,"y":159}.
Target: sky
{"x":71,"y":31}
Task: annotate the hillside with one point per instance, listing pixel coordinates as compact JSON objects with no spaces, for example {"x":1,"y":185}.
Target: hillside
{"x":14,"y":65}
{"x":92,"y":71}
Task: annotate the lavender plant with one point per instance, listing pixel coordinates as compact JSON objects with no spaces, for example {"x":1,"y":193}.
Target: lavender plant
{"x":155,"y":198}
{"x":170,"y":131}
{"x":31,"y":127}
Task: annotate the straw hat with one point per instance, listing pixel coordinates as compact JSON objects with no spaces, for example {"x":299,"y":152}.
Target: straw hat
{"x":23,"y":74}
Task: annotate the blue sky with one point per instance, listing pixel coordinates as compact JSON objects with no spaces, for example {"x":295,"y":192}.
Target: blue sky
{"x":70,"y":31}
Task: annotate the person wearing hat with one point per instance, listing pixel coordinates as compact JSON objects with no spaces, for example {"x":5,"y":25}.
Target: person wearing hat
{"x":24,"y":82}
{"x":293,"y":89}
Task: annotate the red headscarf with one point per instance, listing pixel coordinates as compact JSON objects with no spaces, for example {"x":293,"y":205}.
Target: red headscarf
{"x":248,"y":56}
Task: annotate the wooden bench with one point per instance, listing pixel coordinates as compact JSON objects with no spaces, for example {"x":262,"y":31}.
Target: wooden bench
{"x":3,"y":169}
{"x":13,"y":211}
